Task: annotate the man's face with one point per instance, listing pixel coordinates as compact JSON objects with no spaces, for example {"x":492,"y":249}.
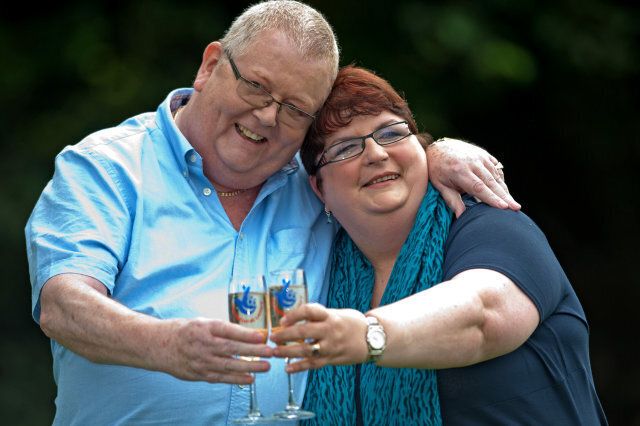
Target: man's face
{"x":243,"y":145}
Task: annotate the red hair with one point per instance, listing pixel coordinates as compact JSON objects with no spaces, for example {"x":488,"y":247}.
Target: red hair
{"x":356,"y":91}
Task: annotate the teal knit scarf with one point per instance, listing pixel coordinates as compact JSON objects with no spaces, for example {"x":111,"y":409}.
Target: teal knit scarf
{"x":399,"y":396}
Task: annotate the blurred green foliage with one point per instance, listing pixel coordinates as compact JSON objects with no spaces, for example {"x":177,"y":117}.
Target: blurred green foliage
{"x":550,"y":88}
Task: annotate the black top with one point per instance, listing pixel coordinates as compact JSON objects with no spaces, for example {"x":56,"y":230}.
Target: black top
{"x":547,"y":380}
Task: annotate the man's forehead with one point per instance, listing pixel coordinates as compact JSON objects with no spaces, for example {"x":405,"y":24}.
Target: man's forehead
{"x":275,"y":60}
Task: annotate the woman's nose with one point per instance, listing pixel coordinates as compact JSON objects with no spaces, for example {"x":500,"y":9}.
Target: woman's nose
{"x":373,"y":151}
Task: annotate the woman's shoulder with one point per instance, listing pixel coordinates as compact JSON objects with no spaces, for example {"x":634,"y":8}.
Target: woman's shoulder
{"x":477,"y":211}
{"x":511,"y":243}
{"x":481,"y":224}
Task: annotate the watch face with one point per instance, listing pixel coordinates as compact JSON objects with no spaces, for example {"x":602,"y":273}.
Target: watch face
{"x":376,"y":339}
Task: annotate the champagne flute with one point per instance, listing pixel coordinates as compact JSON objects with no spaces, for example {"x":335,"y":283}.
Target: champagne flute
{"x":288,"y":290}
{"x":248,"y":308}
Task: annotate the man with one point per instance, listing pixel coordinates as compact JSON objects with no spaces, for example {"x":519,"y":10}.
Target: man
{"x":133,"y":242}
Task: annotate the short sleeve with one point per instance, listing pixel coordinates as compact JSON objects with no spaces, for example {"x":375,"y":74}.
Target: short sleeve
{"x":510,"y":243}
{"x":80,"y":224}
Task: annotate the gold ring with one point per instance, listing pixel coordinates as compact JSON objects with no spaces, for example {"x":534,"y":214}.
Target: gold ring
{"x":315,"y":349}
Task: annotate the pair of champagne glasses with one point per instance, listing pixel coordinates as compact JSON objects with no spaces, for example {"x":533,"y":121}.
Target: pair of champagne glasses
{"x":255,"y":305}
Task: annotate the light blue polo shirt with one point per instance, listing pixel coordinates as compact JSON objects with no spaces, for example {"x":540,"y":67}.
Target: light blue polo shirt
{"x":131,"y":207}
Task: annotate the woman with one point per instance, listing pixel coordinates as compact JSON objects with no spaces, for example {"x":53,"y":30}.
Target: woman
{"x":502,"y":338}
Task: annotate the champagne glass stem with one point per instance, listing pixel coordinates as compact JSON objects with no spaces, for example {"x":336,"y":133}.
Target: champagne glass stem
{"x":288,"y":291}
{"x":248,"y":308}
{"x":292,"y":404}
{"x":254,"y":411}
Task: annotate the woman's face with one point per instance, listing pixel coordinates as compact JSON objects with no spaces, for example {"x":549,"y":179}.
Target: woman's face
{"x":381,"y":180}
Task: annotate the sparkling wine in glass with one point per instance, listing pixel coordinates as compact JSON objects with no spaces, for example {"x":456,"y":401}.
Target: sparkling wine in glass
{"x":248,"y":308}
{"x":287,"y":291}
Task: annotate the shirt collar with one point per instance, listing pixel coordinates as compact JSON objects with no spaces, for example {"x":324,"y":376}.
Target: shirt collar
{"x":180,"y":146}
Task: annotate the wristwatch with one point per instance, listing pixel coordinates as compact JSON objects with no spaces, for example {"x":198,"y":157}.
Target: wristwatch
{"x":376,"y":338}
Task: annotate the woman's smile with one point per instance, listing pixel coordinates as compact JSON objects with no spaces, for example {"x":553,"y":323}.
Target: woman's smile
{"x":387,"y":177}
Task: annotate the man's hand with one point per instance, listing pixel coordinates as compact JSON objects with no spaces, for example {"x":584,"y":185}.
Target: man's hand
{"x":77,"y":312}
{"x":206,"y":349}
{"x":457,"y":167}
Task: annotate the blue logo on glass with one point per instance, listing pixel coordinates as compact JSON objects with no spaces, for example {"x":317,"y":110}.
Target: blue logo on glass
{"x":246,"y":304}
{"x":286,"y":298}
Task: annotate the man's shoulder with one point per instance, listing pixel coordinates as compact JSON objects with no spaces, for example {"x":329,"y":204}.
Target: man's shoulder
{"x":119,"y":150}
{"x":129,"y":132}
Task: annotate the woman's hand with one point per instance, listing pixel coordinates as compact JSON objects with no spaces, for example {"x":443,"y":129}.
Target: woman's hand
{"x":338,"y":336}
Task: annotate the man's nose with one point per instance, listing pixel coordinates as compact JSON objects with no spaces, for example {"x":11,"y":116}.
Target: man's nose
{"x":268,"y":115}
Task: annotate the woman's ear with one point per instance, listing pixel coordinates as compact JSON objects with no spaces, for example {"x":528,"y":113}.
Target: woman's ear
{"x":316,"y":186}
{"x":210,"y":58}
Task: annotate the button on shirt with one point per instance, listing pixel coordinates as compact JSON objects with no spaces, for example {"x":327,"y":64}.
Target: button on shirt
{"x":131,"y":207}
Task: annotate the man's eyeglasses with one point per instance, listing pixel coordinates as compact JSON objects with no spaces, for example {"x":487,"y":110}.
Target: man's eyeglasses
{"x":255,"y":95}
{"x":350,"y":148}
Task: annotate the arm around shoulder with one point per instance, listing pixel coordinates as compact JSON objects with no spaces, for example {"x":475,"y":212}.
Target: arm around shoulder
{"x":457,"y":167}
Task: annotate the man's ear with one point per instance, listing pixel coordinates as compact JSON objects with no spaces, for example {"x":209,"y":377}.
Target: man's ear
{"x":210,"y":58}
{"x":313,"y":181}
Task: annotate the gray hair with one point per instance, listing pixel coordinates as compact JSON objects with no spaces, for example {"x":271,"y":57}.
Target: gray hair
{"x":305,"y":28}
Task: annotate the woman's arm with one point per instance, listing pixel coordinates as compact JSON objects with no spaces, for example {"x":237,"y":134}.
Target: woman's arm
{"x":477,"y":315}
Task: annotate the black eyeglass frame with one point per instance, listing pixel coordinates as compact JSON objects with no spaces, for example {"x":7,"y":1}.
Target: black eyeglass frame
{"x":323,"y":161}
{"x":255,"y":85}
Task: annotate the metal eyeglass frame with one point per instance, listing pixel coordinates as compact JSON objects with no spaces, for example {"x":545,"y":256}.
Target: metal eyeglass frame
{"x":257,"y":86}
{"x":323,"y":161}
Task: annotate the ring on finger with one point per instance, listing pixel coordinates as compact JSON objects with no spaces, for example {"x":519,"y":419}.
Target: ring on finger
{"x":315,"y":349}
{"x":500,"y":170}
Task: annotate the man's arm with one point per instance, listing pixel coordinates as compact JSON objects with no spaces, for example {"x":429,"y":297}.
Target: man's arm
{"x":457,"y":167}
{"x":77,"y":312}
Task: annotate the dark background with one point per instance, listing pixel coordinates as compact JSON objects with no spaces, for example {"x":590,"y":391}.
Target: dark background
{"x":550,"y":88}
